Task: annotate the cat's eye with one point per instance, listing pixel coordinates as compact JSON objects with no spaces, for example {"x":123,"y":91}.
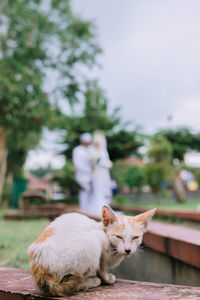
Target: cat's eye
{"x":119,"y":237}
{"x":135,"y":237}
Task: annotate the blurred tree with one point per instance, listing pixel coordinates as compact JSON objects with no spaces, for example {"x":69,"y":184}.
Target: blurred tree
{"x":182,"y":140}
{"x":66,"y":179}
{"x":156,"y":174}
{"x":37,"y":37}
{"x":160,"y":149}
{"x":18,"y":146}
{"x":134,"y":177}
{"x":121,"y":142}
{"x":117,"y":173}
{"x":159,"y":168}
{"x":40,"y":172}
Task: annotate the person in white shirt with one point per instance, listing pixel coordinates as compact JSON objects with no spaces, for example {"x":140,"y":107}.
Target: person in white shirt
{"x":83,"y":170}
{"x":101,"y":181}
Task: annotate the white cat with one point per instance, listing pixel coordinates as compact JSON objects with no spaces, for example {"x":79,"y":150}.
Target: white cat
{"x":74,"y":251}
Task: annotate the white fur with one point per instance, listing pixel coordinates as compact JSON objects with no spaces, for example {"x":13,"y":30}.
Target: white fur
{"x":80,"y":244}
{"x":76,"y":246}
{"x":127,"y":242}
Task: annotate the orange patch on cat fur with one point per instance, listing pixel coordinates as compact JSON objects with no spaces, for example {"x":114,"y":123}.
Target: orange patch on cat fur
{"x":108,"y":217}
{"x":50,"y":284}
{"x":31,"y":254}
{"x":132,"y":221}
{"x":44,"y":235}
{"x":119,"y":228}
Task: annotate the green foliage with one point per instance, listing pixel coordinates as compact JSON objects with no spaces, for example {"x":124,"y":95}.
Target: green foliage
{"x":18,"y":146}
{"x":94,"y":116}
{"x":160,"y":149}
{"x":40,"y":172}
{"x":182,"y":140}
{"x":159,"y":168}
{"x":123,"y":143}
{"x":39,"y":40}
{"x":21,"y":78}
{"x":121,"y":199}
{"x":66,"y":180}
{"x":117,"y":173}
{"x":130,"y":176}
{"x":134,"y":177}
{"x":156,"y":173}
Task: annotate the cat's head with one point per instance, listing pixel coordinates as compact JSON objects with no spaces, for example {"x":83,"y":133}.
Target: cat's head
{"x":125,"y":232}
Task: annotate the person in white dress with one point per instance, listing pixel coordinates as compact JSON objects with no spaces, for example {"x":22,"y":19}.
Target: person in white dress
{"x":83,"y":170}
{"x":101,"y":182}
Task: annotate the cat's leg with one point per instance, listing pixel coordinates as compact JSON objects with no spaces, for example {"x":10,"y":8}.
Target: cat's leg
{"x":106,"y":278}
{"x":90,"y":282}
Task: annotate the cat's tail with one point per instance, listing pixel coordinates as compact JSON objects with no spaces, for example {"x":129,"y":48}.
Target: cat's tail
{"x":50,"y":285}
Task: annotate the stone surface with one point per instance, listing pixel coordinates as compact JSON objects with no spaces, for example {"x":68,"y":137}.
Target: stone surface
{"x":17,"y":284}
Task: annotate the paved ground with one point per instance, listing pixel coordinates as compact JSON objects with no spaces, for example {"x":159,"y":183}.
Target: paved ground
{"x":17,"y":284}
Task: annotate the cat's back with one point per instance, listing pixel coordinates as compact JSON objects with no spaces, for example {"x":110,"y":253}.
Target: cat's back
{"x":67,"y":228}
{"x":67,"y":242}
{"x":72,"y":223}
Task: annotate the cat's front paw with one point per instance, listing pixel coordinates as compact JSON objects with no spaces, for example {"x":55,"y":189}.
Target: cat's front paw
{"x":110,"y":279}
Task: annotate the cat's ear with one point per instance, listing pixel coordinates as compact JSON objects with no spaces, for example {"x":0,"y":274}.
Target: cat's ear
{"x":108,"y":217}
{"x":145,"y":217}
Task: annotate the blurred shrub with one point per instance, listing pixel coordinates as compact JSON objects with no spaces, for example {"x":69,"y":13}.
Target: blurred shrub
{"x":156,"y":173}
{"x":160,"y":150}
{"x":128,"y":176}
{"x":159,"y":168}
{"x":165,"y":194}
{"x":134,"y":177}
{"x":66,"y":179}
{"x":117,"y":173}
{"x":121,"y":199}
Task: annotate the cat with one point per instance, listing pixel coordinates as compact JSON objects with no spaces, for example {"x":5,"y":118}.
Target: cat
{"x":74,"y":251}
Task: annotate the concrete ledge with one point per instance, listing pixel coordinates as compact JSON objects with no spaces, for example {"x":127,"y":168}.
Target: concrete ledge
{"x":176,"y":241}
{"x":46,"y":211}
{"x":177,"y":214}
{"x":17,"y":284}
{"x":17,"y":214}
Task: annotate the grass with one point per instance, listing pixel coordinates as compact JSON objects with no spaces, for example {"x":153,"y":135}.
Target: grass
{"x":165,"y":204}
{"x":15,"y":237}
{"x":188,"y":205}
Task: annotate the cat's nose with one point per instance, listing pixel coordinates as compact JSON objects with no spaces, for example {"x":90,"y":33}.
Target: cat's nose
{"x":127,"y":251}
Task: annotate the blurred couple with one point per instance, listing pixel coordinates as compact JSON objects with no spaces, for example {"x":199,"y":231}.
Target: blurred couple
{"x":92,"y":163}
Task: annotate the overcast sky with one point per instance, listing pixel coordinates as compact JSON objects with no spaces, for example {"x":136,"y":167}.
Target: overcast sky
{"x":151,"y":58}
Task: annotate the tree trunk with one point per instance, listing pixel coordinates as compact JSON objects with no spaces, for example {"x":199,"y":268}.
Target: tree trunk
{"x":157,"y":194}
{"x":3,"y":160}
{"x":179,"y":189}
